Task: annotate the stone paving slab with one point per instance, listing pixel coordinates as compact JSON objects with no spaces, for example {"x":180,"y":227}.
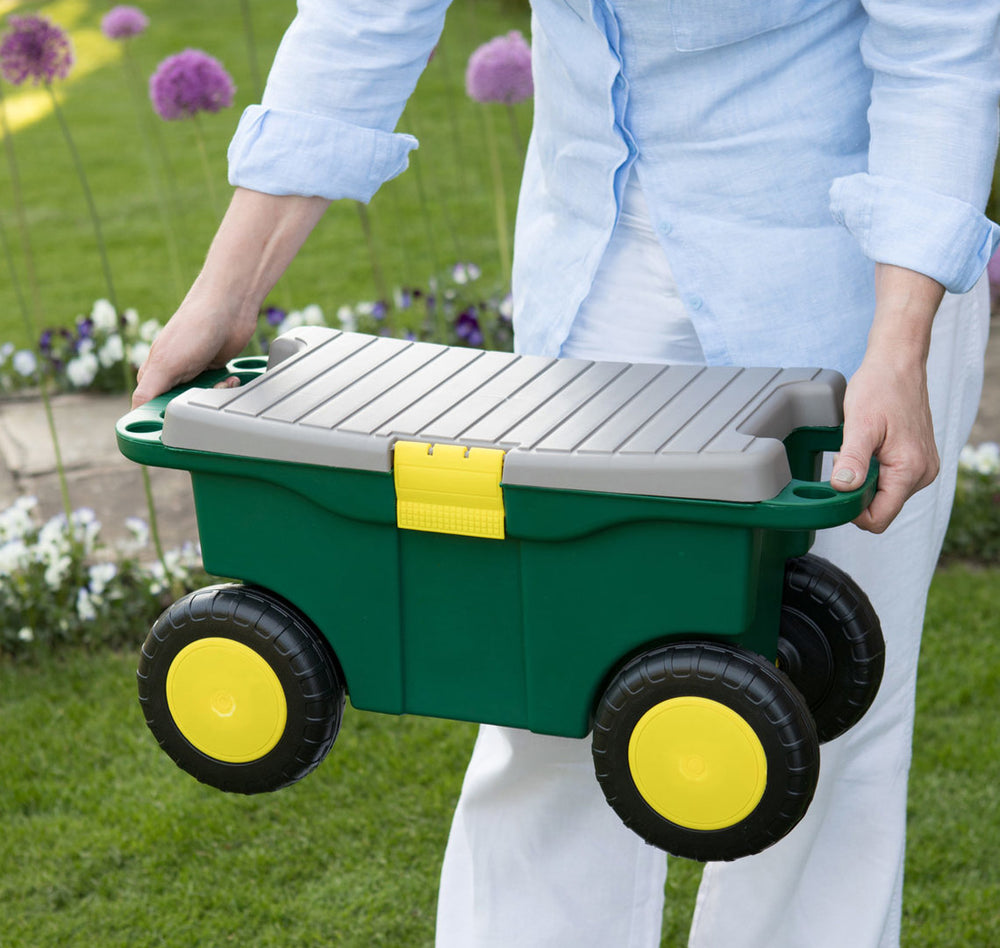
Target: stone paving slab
{"x":97,"y":475}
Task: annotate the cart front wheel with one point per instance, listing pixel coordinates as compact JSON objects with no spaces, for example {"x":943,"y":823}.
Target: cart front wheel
{"x":705,"y":751}
{"x":830,"y":643}
{"x":239,"y":689}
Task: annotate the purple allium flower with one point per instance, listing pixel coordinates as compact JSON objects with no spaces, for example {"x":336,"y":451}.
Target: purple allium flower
{"x":123,"y":22}
{"x":190,"y":82}
{"x":35,"y":48}
{"x":467,"y":328}
{"x":500,"y":70}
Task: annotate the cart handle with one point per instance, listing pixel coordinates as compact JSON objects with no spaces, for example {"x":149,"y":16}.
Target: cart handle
{"x":805,"y":447}
{"x":145,"y":423}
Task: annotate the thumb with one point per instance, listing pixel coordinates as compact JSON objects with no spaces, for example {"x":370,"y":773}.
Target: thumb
{"x":850,"y":467}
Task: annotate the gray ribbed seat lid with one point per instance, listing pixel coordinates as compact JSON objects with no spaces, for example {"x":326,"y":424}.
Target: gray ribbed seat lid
{"x":343,"y":399}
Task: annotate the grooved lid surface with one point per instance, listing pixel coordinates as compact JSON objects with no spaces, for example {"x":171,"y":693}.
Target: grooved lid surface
{"x":342,"y":399}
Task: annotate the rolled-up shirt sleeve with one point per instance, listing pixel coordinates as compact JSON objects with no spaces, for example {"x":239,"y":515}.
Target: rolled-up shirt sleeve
{"x":934,"y":125}
{"x":338,"y":85}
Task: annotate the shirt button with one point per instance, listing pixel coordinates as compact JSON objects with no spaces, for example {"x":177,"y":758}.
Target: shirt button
{"x":666,"y":228}
{"x":695,"y":302}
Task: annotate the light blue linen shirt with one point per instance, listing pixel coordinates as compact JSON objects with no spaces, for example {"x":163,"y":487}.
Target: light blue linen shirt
{"x":783,"y":146}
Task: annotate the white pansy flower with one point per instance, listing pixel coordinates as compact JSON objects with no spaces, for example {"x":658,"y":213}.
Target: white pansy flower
{"x":967,"y":458}
{"x":312,"y":315}
{"x":56,"y":571}
{"x":139,"y":530}
{"x":347,"y":318}
{"x":103,"y":316}
{"x":292,"y":321}
{"x":131,"y":318}
{"x":26,"y":634}
{"x":85,"y":606}
{"x":85,"y":346}
{"x":17,"y":520}
{"x":24,"y":362}
{"x":506,"y":308}
{"x":138,"y":353}
{"x":99,"y":575}
{"x":86,"y":527}
{"x":988,"y":458}
{"x":14,"y":555}
{"x":6,"y":350}
{"x":112,"y":352}
{"x":149,"y":330}
{"x":82,"y":370}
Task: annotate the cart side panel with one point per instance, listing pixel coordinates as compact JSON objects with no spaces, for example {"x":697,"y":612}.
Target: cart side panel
{"x":340,"y":572}
{"x":594,"y":600}
{"x":463,"y":654}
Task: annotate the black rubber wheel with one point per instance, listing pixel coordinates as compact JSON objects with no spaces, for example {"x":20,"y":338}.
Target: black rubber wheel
{"x":830,"y":644}
{"x":705,"y":751}
{"x":239,"y":689}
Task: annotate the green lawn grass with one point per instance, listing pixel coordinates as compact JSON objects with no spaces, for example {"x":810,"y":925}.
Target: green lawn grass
{"x":439,"y":212}
{"x":106,"y":842}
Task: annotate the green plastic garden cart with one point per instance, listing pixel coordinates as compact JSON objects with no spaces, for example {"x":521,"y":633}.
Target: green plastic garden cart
{"x":567,"y":546}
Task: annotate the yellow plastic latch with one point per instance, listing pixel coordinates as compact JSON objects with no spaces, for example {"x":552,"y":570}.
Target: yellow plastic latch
{"x":447,"y":488}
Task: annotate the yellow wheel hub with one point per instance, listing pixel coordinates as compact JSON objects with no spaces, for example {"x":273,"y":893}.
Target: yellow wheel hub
{"x":226,"y":700}
{"x":697,"y":763}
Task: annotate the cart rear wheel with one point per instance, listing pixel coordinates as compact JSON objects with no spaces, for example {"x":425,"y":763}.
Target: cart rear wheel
{"x":705,"y":751}
{"x":239,"y":689}
{"x":830,"y":644}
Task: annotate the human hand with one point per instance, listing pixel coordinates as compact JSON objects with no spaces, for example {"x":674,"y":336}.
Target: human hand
{"x":198,"y":337}
{"x":887,"y":411}
{"x":886,"y":416}
{"x":257,"y":239}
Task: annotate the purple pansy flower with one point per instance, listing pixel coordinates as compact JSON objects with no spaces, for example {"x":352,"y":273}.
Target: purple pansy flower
{"x":274,"y":316}
{"x":35,"y":48}
{"x":500,"y":70}
{"x":123,"y":22}
{"x":467,"y":327}
{"x":190,"y":82}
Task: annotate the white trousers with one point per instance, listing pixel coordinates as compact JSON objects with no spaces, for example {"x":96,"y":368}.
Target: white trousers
{"x":537,"y":859}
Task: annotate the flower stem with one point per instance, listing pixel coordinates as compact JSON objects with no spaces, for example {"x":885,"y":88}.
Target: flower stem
{"x":30,"y":324}
{"x":251,"y":49}
{"x":499,"y":198}
{"x":134,"y":83}
{"x":199,"y":136}
{"x":381,"y":288}
{"x":88,"y":196}
{"x":112,"y":295}
{"x":43,"y":381}
{"x":515,"y":131}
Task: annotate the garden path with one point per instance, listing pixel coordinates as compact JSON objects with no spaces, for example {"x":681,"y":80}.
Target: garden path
{"x":100,"y":478}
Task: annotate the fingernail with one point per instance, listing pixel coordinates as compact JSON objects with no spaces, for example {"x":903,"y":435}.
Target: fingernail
{"x":844,"y":476}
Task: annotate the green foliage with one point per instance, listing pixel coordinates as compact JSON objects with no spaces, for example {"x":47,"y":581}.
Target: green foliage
{"x":974,"y":529}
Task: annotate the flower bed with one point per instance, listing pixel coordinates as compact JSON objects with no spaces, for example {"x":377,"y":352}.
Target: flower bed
{"x":102,"y":350}
{"x":974,"y":528}
{"x":62,"y":586}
